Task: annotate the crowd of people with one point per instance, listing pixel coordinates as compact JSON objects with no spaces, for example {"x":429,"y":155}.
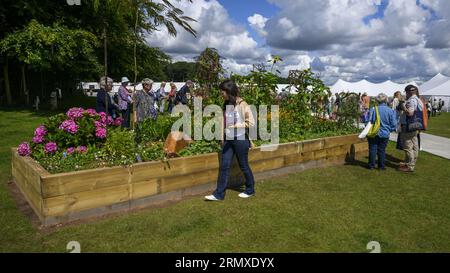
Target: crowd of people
{"x":146,"y":102}
{"x":405,"y":115}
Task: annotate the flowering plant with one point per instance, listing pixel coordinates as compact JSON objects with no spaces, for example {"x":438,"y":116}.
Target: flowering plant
{"x":70,"y":134}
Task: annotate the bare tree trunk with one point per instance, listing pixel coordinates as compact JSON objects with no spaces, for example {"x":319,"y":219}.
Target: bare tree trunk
{"x":105,"y":48}
{"x":7,"y":87}
{"x":133,"y":122}
{"x":24,"y":85}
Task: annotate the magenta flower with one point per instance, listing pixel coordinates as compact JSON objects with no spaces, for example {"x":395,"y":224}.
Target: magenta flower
{"x":82,"y":149}
{"x":24,"y":149}
{"x":69,"y":126}
{"x":118,"y":121}
{"x":98,"y":124}
{"x":110,"y":121}
{"x":70,"y":150}
{"x":75,"y":113}
{"x":38,"y":139}
{"x":40,"y":131}
{"x":103,"y":117}
{"x":50,"y":147}
{"x":91,"y":112}
{"x":100,"y":132}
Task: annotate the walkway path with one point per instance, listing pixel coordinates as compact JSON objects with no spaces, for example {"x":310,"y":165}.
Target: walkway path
{"x":436,"y":145}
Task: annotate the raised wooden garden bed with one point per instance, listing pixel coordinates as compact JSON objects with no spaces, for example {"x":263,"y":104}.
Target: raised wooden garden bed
{"x":65,"y":197}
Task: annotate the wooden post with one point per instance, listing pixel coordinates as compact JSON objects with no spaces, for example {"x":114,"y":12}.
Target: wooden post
{"x":7,"y":87}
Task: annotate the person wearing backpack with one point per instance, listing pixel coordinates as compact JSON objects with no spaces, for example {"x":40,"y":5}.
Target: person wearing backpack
{"x":384,"y":121}
{"x":415,"y":119}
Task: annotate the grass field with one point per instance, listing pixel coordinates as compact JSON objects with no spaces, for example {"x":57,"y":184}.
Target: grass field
{"x":338,"y":209}
{"x":440,"y":125}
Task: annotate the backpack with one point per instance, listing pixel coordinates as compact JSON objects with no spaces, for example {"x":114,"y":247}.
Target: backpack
{"x":373,"y":132}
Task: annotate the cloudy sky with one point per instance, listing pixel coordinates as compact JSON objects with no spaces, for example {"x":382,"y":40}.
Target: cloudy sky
{"x":377,"y":40}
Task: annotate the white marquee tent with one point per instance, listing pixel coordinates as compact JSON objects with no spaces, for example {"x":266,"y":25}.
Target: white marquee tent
{"x":434,"y":82}
{"x":441,"y":91}
{"x":372,"y":89}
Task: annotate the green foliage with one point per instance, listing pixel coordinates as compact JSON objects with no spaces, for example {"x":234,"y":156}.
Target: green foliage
{"x":61,"y":162}
{"x":119,"y":148}
{"x":151,"y":152}
{"x":200,"y":147}
{"x":208,"y":70}
{"x":151,"y":130}
{"x":297,"y":108}
{"x":180,"y":71}
{"x":45,"y":47}
{"x":348,"y":112}
{"x":257,"y":88}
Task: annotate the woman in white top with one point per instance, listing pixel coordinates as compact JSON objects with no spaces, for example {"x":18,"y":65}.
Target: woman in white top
{"x":238,"y":118}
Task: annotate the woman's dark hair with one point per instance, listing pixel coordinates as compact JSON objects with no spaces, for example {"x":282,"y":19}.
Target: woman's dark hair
{"x":411,"y":88}
{"x":232,"y":91}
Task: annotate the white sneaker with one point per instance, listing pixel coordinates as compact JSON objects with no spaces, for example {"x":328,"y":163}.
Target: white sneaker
{"x":244,"y":195}
{"x":211,"y":198}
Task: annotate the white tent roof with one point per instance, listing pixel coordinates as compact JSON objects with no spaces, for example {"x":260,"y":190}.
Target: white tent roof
{"x":441,"y":90}
{"x":372,"y":89}
{"x":436,"y":81}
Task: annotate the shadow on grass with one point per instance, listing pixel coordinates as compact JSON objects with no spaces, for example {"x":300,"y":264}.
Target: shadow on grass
{"x":391,"y":162}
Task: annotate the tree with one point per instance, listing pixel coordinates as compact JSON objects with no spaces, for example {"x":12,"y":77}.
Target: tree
{"x":180,"y":71}
{"x":57,"y":48}
{"x":208,"y":69}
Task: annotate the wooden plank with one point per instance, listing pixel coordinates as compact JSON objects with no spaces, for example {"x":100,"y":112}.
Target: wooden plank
{"x":174,"y":167}
{"x":28,"y":191}
{"x":339,"y":141}
{"x":65,"y":204}
{"x":174,"y":183}
{"x":29,"y":170}
{"x":144,"y":189}
{"x":267,"y":164}
{"x":73,"y":182}
{"x":279,"y":151}
{"x":361,"y":147}
{"x":338,"y":151}
{"x":312,"y":145}
{"x":319,"y":154}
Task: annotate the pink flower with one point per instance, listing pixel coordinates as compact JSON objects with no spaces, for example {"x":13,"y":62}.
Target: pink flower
{"x":70,"y":150}
{"x":69,"y":126}
{"x":38,"y":139}
{"x":40,"y":131}
{"x":103,"y":117}
{"x":81,"y":149}
{"x":50,"y":147}
{"x":98,"y":124}
{"x":91,"y":112}
{"x":118,"y":121}
{"x":110,"y":121}
{"x":100,"y":132}
{"x":24,"y":149}
{"x":75,"y":113}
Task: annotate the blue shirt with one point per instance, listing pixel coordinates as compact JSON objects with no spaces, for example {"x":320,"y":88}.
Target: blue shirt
{"x":388,"y":119}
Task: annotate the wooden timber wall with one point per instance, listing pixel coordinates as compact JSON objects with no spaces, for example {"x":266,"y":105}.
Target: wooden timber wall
{"x":65,"y":197}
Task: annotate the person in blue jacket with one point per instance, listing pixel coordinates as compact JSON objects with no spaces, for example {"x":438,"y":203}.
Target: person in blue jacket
{"x":388,"y":124}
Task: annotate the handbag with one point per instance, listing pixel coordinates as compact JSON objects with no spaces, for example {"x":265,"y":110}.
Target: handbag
{"x":365,"y":131}
{"x":373,"y":132}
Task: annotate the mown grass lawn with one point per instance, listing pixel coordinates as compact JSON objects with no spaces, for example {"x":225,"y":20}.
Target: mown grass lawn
{"x":440,"y":125}
{"x":338,"y":209}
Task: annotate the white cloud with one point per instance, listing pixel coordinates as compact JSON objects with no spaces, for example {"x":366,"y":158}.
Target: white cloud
{"x":215,"y":29}
{"x":258,"y":22}
{"x":409,"y":42}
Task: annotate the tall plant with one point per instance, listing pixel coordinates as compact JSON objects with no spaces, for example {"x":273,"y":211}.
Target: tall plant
{"x":209,"y":69}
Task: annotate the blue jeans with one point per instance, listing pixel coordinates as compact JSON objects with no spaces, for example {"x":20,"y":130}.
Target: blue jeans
{"x":230,"y":148}
{"x":377,"y":146}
